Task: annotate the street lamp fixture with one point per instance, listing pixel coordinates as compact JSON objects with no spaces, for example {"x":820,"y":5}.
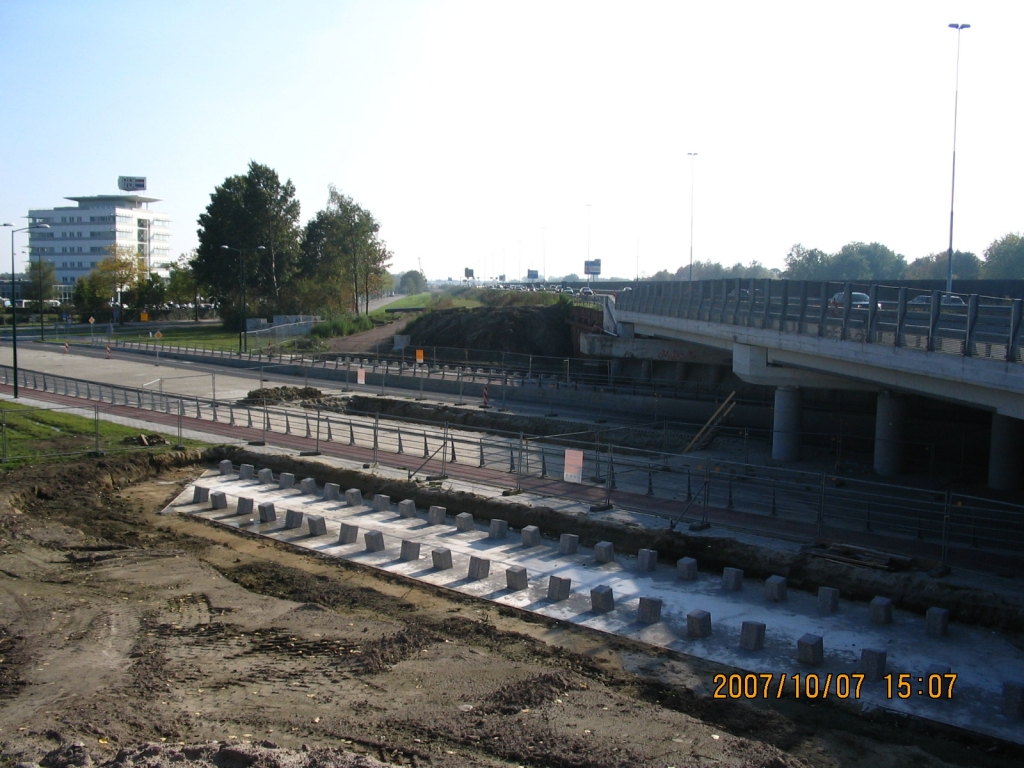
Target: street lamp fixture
{"x":692,"y":155}
{"x":952,"y":191}
{"x":243,"y":339}
{"x":14,"y":309}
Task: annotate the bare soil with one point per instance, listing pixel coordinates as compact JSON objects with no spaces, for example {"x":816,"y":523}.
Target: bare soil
{"x":129,"y":638}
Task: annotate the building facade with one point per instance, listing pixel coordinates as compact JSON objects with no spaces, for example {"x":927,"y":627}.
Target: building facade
{"x":80,"y":236}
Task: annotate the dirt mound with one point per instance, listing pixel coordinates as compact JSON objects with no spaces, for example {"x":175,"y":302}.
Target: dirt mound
{"x":523,"y":330}
{"x":276,"y":395}
{"x":266,"y":755}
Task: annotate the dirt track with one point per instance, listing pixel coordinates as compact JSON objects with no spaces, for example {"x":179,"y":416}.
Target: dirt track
{"x":120,"y":627}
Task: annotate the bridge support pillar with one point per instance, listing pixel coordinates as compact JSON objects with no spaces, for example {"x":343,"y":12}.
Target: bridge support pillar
{"x":890,"y":424}
{"x":647,"y":369}
{"x":1005,"y":453}
{"x":786,"y":424}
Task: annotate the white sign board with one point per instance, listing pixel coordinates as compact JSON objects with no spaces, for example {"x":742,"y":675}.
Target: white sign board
{"x":132,"y":183}
{"x":573,"y":472}
{"x":361,"y":376}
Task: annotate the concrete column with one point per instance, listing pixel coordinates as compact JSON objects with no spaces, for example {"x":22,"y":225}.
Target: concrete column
{"x":890,"y":425}
{"x":647,"y":369}
{"x":616,"y":367}
{"x":1006,"y":457}
{"x":786,"y":426}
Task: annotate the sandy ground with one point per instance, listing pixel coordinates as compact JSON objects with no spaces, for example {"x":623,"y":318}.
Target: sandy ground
{"x":128,"y":638}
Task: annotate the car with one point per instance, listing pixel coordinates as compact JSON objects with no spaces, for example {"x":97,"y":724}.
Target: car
{"x":567,"y":291}
{"x":857,"y":301}
{"x":948,"y":300}
{"x":586,"y":291}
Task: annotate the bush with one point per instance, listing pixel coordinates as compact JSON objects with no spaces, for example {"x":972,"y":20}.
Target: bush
{"x":345,"y":325}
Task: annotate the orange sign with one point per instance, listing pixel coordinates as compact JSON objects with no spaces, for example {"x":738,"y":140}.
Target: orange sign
{"x":419,"y":355}
{"x":573,"y":472}
{"x":144,"y":316}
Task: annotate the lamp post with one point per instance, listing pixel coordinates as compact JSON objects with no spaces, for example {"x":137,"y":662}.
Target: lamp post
{"x":693,"y":156}
{"x":952,"y":191}
{"x":14,"y":309}
{"x":242,"y":337}
{"x":39,"y":270}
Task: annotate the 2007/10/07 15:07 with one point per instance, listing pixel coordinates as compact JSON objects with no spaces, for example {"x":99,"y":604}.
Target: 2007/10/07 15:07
{"x":814,"y":686}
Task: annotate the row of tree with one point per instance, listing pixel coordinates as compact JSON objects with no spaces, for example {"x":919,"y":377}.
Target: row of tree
{"x":1003,"y":259}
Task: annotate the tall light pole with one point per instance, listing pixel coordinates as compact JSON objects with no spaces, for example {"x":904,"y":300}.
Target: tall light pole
{"x":14,"y":308}
{"x":544,"y":252}
{"x":693,"y":156}
{"x":952,"y":192}
{"x":243,"y":338}
{"x":588,"y":241}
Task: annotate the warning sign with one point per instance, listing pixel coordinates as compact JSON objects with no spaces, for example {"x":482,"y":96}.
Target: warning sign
{"x":158,"y":335}
{"x":573,"y":466}
{"x":419,"y":355}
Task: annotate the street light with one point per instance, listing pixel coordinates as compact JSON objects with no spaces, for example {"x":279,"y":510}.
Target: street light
{"x":14,"y":309}
{"x":692,"y":156}
{"x":242,"y":337}
{"x":952,"y":192}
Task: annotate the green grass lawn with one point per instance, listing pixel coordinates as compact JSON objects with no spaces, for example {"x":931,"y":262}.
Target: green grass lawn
{"x":34,"y":435}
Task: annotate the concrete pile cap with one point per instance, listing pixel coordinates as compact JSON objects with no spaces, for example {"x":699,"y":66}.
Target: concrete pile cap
{"x":266,"y":476}
{"x":647,"y":559}
{"x":464,"y":521}
{"x":751,"y":635}
{"x":479,"y":568}
{"x":880,"y":610}
{"x":568,"y":544}
{"x":604,"y":552}
{"x":225,"y":467}
{"x":332,"y":491}
{"x":775,"y":588}
{"x":349,"y":533}
{"x":218,"y":500}
{"x":410,"y":550}
{"x":200,"y":495}
{"x":354,"y":497}
{"x":317,"y":525}
{"x":602,"y":599}
{"x":381,"y":502}
{"x":828,"y":599}
{"x":407,"y":508}
{"x":937,"y":622}
{"x":559,"y":588}
{"x":732,"y":579}
{"x":441,"y":559}
{"x":308,"y":486}
{"x":498,"y":529}
{"x":267,"y":512}
{"x":516,"y":578}
{"x":437,"y":515}
{"x":286,"y":481}
{"x":245,"y":472}
{"x":810,"y":649}
{"x":686,"y":569}
{"x":872,"y":663}
{"x":649,"y":611}
{"x":531,"y":536}
{"x":374,"y":541}
{"x":243,"y":506}
{"x":292,"y":519}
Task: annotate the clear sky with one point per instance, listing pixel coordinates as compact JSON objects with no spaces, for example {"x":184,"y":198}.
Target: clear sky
{"x":479,"y":132}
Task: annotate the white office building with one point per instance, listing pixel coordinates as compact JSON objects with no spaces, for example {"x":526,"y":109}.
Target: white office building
{"x":79,"y":236}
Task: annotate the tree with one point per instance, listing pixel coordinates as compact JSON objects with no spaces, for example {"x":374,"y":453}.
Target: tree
{"x":806,"y":264}
{"x":412,"y":282}
{"x":259,"y":216}
{"x":42,"y":276}
{"x":966,"y":266}
{"x":150,"y":291}
{"x":866,"y":261}
{"x":340,"y":248}
{"x":91,"y":295}
{"x":182,"y":287}
{"x":1004,"y":258}
{"x":120,"y":272}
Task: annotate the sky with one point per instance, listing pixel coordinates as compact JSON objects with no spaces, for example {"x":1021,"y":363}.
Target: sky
{"x":506,"y":136}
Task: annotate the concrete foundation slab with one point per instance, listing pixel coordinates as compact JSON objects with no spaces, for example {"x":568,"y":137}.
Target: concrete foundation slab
{"x":218,"y":500}
{"x":516,"y":578}
{"x":531,"y":536}
{"x":286,"y":481}
{"x":479,"y":568}
{"x":243,"y":506}
{"x":602,"y":599}
{"x":646,"y":560}
{"x":698,"y":624}
{"x":464,"y":522}
{"x":872,"y":663}
{"x":686,"y":569}
{"x":374,"y":541}
{"x":437,"y":515}
{"x":732,"y":579}
{"x":332,"y":492}
{"x":267,"y":512}
{"x":937,"y":622}
{"x":349,"y":533}
{"x":559,"y":588}
{"x":354,"y":497}
{"x":225,"y":467}
{"x":498,"y":529}
{"x":441,"y":559}
{"x":200,"y":495}
{"x":266,"y":476}
{"x":752,"y":635}
{"x":649,"y":610}
{"x":381,"y":503}
{"x":568,"y":544}
{"x":292,"y":519}
{"x":604,"y":552}
{"x":775,"y":589}
{"x":880,"y":610}
{"x":316,"y":524}
{"x":245,"y":472}
{"x":828,"y":599}
{"x":410,"y":550}
{"x":407,"y":509}
{"x":308,"y":486}
{"x":810,"y":649}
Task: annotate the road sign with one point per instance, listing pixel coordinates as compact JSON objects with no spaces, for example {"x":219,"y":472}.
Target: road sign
{"x":158,"y":335}
{"x":144,"y":317}
{"x":532,"y":274}
{"x":419,"y":355}
{"x":573,"y":467}
{"x":92,"y":320}
{"x":592,"y":267}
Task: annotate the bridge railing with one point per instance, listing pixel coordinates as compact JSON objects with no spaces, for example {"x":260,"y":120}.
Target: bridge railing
{"x":931,"y":321}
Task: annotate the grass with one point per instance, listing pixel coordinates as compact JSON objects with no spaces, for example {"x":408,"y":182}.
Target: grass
{"x":36,"y":435}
